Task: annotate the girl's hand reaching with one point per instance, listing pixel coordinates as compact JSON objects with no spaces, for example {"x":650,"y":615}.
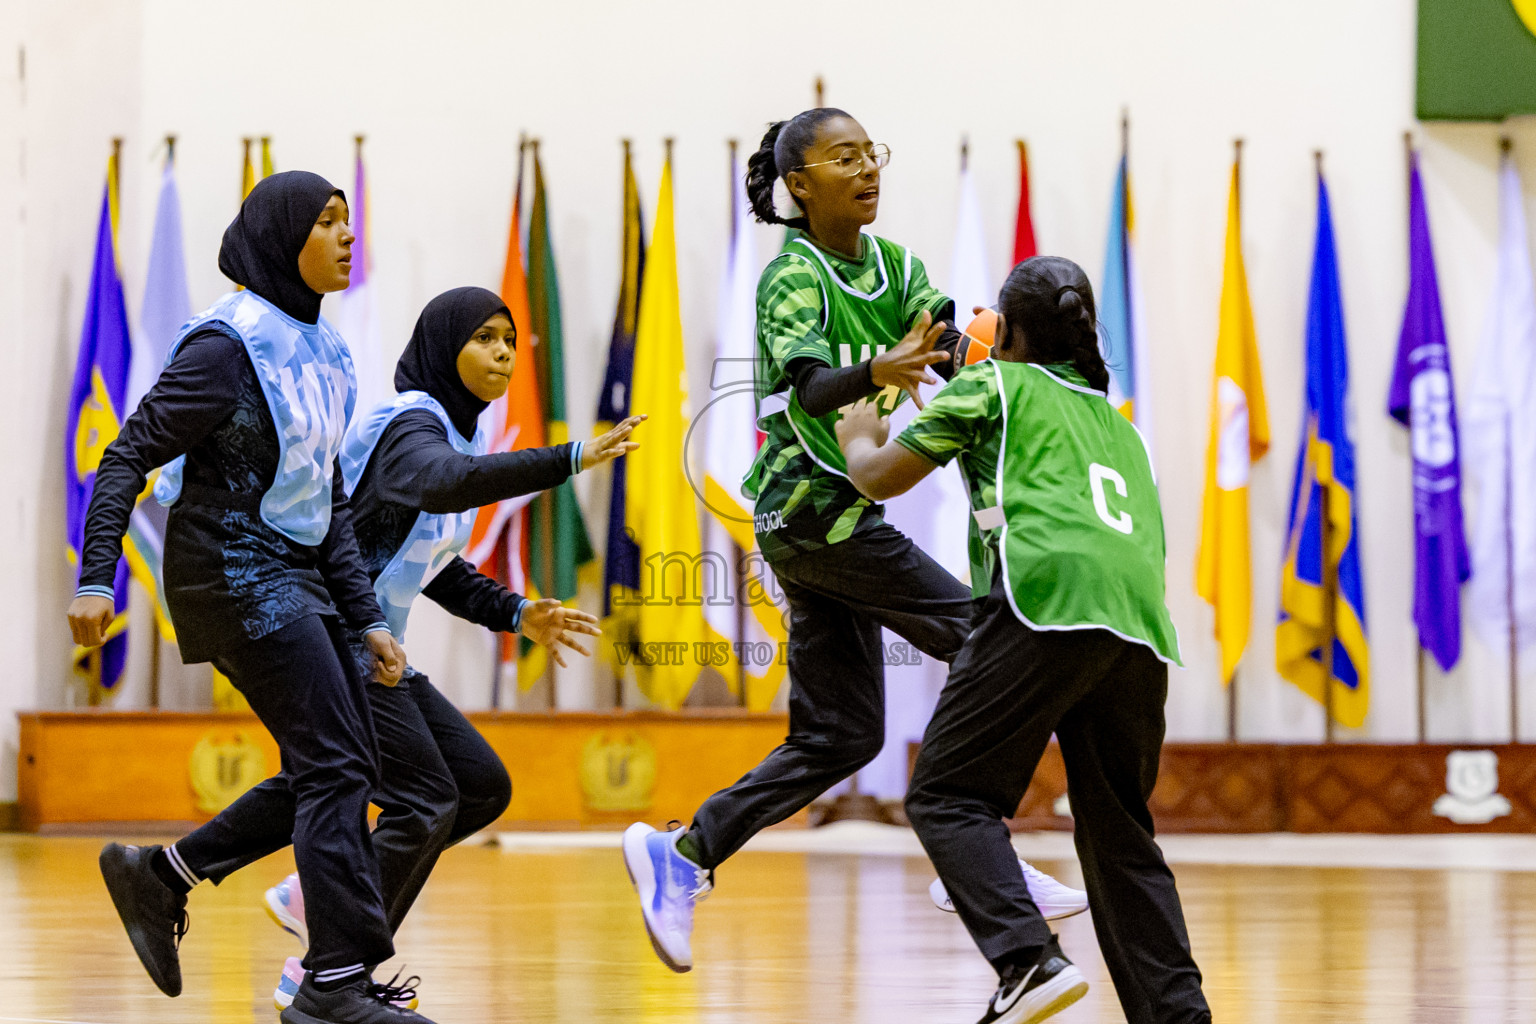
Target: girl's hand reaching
{"x":906,"y":365}
{"x":862,"y":419}
{"x":611,"y":445}
{"x":550,"y":623}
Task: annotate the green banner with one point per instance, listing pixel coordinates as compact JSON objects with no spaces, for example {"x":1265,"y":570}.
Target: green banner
{"x":1477,"y":59}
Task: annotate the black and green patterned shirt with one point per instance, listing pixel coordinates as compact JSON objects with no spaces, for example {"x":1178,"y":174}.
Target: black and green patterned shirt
{"x":817,"y":304}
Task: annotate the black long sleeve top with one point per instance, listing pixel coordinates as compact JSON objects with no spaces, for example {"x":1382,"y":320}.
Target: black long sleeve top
{"x":414,"y":468}
{"x":820,"y":389}
{"x":228,"y":575}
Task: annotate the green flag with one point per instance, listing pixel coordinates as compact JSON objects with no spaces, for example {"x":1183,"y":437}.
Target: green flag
{"x":559,"y":544}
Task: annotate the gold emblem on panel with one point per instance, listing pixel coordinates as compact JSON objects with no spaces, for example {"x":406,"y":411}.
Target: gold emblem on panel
{"x":224,"y":764}
{"x":618,"y":772}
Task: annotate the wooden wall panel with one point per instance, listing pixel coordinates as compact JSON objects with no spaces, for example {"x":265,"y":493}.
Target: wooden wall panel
{"x":569,"y":770}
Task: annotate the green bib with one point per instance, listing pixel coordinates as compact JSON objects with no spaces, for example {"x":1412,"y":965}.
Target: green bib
{"x":1082,"y":543}
{"x":858,"y":326}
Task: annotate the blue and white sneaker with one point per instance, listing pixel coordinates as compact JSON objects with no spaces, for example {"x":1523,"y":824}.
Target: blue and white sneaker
{"x":285,"y":906}
{"x":668,"y":884}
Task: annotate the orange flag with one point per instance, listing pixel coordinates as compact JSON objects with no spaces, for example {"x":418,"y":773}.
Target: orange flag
{"x":516,"y":421}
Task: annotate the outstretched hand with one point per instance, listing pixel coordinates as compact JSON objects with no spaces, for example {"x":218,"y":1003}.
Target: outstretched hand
{"x":906,"y":365}
{"x":550,"y":623}
{"x":862,"y":419}
{"x":611,"y":445}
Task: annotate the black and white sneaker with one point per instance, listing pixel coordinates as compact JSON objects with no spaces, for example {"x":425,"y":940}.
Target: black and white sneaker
{"x":1042,"y":991}
{"x":154,"y":916}
{"x":362,"y":1001}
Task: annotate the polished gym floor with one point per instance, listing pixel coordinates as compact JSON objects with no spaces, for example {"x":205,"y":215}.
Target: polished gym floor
{"x":828,"y":925}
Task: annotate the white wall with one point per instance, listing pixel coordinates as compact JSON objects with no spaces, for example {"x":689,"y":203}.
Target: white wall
{"x":443,"y":91}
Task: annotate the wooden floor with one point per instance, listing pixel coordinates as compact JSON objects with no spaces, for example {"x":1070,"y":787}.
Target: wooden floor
{"x":794,"y":937}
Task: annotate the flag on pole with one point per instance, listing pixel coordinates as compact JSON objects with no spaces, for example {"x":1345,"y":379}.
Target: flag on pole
{"x":97,"y":400}
{"x":1423,"y":399}
{"x":266,"y":157}
{"x":1322,"y":587}
{"x":942,"y":498}
{"x":1120,"y":311}
{"x":662,"y":513}
{"x":559,"y":544}
{"x":498,"y":542}
{"x":1501,"y":439}
{"x":1239,"y":437}
{"x":355,"y":317}
{"x":1024,"y":223}
{"x":167,"y":305}
{"x":621,"y":566}
{"x":730,"y":446}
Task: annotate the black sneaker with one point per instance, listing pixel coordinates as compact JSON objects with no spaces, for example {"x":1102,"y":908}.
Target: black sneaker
{"x":154,"y":916}
{"x":1044,"y":990}
{"x":362,"y":1001}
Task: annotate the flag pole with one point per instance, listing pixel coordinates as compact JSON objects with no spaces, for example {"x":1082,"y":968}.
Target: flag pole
{"x":1330,"y":570}
{"x":1419,"y":684}
{"x":821,"y":92}
{"x":1237,"y":163}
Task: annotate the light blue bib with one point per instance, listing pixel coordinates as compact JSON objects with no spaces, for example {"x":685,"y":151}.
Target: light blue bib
{"x":306,"y":375}
{"x":434,"y":538}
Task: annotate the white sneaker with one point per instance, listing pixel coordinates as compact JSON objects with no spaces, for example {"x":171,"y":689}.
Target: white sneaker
{"x":668,"y":885}
{"x":285,"y":906}
{"x":1055,"y":900}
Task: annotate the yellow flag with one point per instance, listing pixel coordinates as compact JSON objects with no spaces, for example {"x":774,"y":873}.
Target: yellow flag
{"x":266,"y":156}
{"x":661,"y":512}
{"x":1239,"y":436}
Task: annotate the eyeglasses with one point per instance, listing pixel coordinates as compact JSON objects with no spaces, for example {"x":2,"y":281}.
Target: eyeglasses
{"x":852,"y":161}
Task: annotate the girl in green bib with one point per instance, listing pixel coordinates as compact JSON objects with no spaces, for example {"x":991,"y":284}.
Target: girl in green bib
{"x":1074,"y":639}
{"x":841,"y":315}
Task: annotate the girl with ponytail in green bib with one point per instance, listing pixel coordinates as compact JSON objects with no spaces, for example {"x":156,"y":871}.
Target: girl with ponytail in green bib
{"x":1073,"y":639}
{"x":842,"y":315}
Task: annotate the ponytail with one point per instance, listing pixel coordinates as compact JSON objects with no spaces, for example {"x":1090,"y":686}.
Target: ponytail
{"x":763,"y":175}
{"x":782,"y":151}
{"x":1051,"y":300}
{"x":1077,"y":324}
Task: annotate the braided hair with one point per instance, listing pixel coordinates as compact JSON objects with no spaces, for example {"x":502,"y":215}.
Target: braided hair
{"x":1051,"y":299}
{"x":781,"y":151}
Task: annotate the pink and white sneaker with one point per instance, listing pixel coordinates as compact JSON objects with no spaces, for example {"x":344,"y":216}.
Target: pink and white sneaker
{"x":285,"y":906}
{"x":288,"y":984}
{"x":293,"y":977}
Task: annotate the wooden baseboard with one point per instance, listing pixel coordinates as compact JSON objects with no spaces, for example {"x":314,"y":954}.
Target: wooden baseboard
{"x":1343,"y":787}
{"x":569,"y":769}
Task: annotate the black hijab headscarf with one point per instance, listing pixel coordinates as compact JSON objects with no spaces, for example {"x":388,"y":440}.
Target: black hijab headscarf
{"x":262,"y":244}
{"x":430,"y":360}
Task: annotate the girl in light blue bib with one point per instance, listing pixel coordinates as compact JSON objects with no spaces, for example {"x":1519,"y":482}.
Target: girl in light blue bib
{"x":417,"y":470}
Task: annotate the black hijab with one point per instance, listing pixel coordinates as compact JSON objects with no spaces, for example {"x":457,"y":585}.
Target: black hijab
{"x":430,"y":360}
{"x":262,"y":244}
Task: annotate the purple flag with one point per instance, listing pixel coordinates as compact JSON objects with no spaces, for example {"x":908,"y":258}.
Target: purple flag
{"x":1422,"y":398}
{"x":96,"y":408}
